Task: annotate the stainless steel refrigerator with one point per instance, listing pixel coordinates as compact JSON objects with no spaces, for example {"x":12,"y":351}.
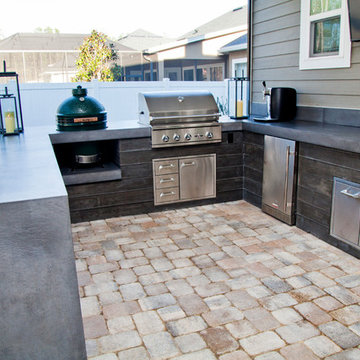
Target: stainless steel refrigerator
{"x":279,"y":178}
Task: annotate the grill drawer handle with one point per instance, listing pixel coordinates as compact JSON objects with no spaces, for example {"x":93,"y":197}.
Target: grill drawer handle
{"x":347,"y":193}
{"x":166,"y":166}
{"x":162,"y":181}
{"x":191,"y":163}
{"x":169,"y":193}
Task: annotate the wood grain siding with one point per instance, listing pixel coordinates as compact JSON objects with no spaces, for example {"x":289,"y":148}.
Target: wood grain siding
{"x":253,"y":167}
{"x":134,"y":193}
{"x":317,"y":167}
{"x":275,"y":48}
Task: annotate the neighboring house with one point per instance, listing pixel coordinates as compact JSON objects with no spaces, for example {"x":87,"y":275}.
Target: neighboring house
{"x":237,"y":56}
{"x":140,"y":40}
{"x":209,"y":52}
{"x":42,"y":57}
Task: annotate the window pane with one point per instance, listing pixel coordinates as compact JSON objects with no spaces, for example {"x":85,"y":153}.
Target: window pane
{"x":319,"y":6}
{"x":326,"y":36}
{"x":189,"y":75}
{"x":201,"y":74}
{"x":216,"y":73}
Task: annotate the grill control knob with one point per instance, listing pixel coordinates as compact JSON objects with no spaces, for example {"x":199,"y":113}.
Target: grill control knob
{"x":176,"y":137}
{"x":165,"y":138}
{"x":187,"y":136}
{"x":209,"y":135}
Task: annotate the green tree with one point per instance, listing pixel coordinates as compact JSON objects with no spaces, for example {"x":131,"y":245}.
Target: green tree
{"x":95,"y":59}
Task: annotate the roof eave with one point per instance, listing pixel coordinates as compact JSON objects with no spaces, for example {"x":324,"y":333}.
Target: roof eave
{"x":195,"y":39}
{"x":228,"y":49}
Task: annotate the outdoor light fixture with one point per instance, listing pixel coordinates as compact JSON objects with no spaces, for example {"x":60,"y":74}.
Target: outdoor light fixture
{"x":238,"y":97}
{"x":11,"y":122}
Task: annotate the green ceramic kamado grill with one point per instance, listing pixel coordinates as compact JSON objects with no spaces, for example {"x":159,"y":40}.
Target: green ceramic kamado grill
{"x":80,"y":112}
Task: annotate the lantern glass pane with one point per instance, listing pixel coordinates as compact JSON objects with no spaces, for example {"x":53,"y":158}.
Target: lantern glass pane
{"x":9,"y":115}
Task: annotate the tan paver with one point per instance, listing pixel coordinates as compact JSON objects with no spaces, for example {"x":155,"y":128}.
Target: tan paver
{"x":222,"y":281}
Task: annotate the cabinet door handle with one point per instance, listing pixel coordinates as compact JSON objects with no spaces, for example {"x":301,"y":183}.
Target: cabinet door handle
{"x":286,"y":176}
{"x":169,"y":193}
{"x":190,"y":163}
{"x":166,"y":166}
{"x":162,"y":181}
{"x":347,"y":193}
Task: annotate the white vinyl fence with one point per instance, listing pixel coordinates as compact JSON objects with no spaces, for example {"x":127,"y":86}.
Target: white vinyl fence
{"x":120,"y":99}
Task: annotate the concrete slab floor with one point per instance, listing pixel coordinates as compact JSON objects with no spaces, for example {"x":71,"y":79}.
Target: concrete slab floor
{"x":222,"y":281}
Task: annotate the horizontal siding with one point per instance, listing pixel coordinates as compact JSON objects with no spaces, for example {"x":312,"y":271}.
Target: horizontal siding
{"x":277,"y":36}
{"x":275,"y":49}
{"x":277,"y":10}
{"x":280,"y":23}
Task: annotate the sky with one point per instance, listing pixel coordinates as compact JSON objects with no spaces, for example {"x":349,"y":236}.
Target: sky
{"x":114,"y":18}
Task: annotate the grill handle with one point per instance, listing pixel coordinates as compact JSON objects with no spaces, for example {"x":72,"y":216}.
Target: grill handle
{"x":184,"y":116}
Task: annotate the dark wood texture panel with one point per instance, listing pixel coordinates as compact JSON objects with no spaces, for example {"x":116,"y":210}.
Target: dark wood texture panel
{"x":134,"y":193}
{"x":317,"y":167}
{"x":253,"y":167}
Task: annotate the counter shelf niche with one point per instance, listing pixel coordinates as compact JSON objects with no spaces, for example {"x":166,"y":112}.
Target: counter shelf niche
{"x":107,"y":169}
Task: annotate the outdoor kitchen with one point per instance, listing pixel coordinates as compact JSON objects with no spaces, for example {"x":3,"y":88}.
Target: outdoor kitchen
{"x":186,"y":233}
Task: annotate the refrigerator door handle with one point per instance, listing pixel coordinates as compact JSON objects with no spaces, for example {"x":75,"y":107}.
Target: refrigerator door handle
{"x":288,"y":154}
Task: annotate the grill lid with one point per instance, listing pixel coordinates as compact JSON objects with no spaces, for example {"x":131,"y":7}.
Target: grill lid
{"x":172,"y":107}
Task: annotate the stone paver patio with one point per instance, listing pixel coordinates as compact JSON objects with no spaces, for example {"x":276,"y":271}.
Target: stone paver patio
{"x":222,"y":281}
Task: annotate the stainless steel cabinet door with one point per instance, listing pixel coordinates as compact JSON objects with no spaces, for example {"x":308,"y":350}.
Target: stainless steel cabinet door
{"x":278,"y":175}
{"x":197,"y":177}
{"x":345,"y":211}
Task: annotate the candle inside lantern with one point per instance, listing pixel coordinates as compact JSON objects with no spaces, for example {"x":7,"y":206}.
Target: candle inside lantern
{"x":10,"y":121}
{"x":239,"y":109}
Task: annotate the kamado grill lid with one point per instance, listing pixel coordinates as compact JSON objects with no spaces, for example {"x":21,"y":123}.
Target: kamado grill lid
{"x":80,"y":112}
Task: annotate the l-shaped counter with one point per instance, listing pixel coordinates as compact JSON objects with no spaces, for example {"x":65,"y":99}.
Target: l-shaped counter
{"x":37,"y":266}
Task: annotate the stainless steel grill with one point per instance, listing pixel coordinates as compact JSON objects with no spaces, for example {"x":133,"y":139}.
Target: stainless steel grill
{"x":180,"y":118}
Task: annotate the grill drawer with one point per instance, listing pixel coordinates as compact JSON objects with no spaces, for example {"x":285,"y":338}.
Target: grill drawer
{"x":163,"y":167}
{"x":345,"y":211}
{"x":166,"y":181}
{"x":169,"y":195}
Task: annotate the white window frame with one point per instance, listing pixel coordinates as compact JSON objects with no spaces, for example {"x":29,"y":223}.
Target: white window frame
{"x":242,"y":60}
{"x":340,"y":60}
{"x":177,"y":70}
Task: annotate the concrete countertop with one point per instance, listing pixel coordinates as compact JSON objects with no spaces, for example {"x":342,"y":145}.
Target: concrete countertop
{"x":29,"y":169}
{"x":333,"y":136}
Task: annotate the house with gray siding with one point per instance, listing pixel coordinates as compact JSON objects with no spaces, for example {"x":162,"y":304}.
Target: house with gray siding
{"x":306,"y":45}
{"x":275,"y":59}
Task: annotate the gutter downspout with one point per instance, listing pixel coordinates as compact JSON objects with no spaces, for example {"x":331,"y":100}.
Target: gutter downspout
{"x":250,"y":59}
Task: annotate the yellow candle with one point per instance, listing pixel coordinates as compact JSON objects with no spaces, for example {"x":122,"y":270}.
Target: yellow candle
{"x":10,"y":121}
{"x":239,"y":108}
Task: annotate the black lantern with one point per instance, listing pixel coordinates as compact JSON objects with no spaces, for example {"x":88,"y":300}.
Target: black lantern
{"x":9,"y":119}
{"x":11,"y":122}
{"x":238,"y":97}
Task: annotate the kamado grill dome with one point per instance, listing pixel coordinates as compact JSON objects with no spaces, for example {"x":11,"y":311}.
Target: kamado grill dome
{"x":80,"y":112}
